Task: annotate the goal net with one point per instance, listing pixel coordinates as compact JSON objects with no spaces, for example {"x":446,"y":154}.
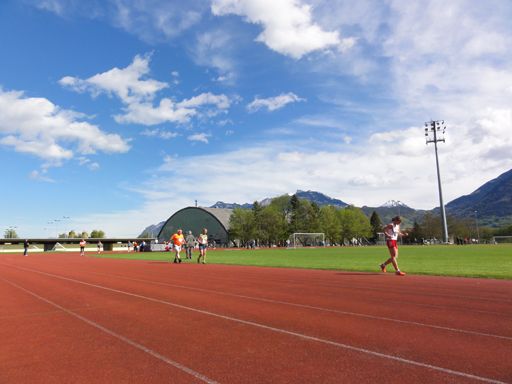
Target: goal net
{"x":300,"y":240}
{"x":502,"y":239}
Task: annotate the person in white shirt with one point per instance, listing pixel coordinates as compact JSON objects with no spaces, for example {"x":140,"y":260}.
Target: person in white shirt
{"x":392,"y":233}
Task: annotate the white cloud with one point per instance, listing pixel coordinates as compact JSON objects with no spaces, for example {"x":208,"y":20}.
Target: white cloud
{"x":200,"y":137}
{"x":152,"y":21}
{"x":35,"y":175}
{"x":129,"y":84}
{"x":137,"y":92}
{"x":273,"y":103}
{"x":159,"y":132}
{"x":288,"y":27}
{"x":38,"y":127}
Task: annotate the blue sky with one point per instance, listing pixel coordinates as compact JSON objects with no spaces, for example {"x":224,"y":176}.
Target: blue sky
{"x":116,"y":113}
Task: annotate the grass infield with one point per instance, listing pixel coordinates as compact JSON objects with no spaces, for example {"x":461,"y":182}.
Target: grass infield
{"x":484,"y":261}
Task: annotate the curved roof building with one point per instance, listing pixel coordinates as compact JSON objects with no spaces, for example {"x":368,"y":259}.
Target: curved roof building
{"x":195,"y":219}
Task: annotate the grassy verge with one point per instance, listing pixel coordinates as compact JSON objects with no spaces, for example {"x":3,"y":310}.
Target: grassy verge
{"x":485,"y":261}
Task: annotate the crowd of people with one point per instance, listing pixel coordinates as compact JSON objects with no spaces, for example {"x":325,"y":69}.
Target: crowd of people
{"x":178,"y":241}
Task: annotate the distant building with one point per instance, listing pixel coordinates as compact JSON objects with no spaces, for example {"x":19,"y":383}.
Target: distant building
{"x":195,"y":219}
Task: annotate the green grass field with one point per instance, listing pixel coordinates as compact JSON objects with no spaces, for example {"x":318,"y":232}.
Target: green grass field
{"x":484,"y":261}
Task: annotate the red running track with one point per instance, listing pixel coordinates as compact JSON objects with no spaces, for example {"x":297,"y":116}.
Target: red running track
{"x":71,"y":319}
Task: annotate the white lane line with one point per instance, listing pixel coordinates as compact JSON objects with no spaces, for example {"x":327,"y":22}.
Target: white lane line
{"x":318,"y":293}
{"x":306,"y":337}
{"x":306,"y":306}
{"x":126,"y":340}
{"x":401,"y":291}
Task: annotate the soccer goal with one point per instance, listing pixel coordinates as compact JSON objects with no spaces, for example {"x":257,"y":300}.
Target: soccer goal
{"x":300,"y":240}
{"x":502,"y":239}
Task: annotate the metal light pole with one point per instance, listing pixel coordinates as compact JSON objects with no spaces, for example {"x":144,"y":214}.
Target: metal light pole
{"x":65,"y":226}
{"x":477,"y":230}
{"x":50,"y":229}
{"x":56,"y":228}
{"x":434,"y":128}
{"x":11,"y":232}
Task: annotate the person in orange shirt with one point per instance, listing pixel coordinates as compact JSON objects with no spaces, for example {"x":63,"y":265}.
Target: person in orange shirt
{"x":178,"y":240}
{"x":82,"y":247}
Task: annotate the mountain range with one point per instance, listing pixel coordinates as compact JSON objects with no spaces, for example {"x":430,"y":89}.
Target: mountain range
{"x":490,"y":205}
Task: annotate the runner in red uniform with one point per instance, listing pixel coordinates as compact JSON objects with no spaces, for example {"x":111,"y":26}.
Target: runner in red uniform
{"x":392,"y":232}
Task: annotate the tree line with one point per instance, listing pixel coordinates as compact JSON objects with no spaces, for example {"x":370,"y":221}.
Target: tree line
{"x":273,"y":224}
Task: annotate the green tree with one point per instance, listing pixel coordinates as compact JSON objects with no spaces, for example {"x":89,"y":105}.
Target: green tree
{"x":259,"y":224}
{"x":354,"y":223}
{"x":416,"y":232}
{"x":331,"y":224}
{"x":242,"y":225}
{"x":313,"y":223}
{"x":10,"y":234}
{"x":98,"y":234}
{"x":274,"y":225}
{"x":431,"y":226}
{"x":299,"y":215}
{"x":376,"y":225}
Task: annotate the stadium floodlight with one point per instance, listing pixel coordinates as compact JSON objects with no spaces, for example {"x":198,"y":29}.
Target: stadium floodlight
{"x":56,"y":228}
{"x":65,"y":226}
{"x":434,"y":133}
{"x":10,"y":232}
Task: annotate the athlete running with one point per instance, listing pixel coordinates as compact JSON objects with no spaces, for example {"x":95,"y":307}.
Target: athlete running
{"x":392,"y":232}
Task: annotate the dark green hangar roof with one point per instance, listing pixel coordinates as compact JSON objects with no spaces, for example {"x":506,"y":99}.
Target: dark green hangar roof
{"x":195,"y":219}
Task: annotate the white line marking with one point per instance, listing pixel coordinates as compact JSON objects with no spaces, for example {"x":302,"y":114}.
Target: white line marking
{"x":126,"y":340}
{"x":306,"y":306}
{"x":319,"y":293}
{"x":369,"y":288}
{"x":306,"y":337}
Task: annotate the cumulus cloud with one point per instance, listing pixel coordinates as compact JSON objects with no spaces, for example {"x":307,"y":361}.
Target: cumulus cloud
{"x":273,"y":103}
{"x":38,"y":127}
{"x":129,"y":84}
{"x":288,"y":27}
{"x":137,"y":92}
{"x":161,"y":133}
{"x":200,"y":137}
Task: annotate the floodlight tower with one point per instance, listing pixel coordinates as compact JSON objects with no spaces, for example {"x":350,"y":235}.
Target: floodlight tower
{"x":434,"y":132}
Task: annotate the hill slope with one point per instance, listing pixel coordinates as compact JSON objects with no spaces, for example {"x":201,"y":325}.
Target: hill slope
{"x":492,"y":202}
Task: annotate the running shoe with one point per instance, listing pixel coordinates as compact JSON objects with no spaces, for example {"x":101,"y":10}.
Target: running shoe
{"x":204,"y":262}
{"x":175,"y":261}
{"x":198,"y":262}
{"x":383,"y":267}
{"x":400,"y":273}
{"x":179,"y":260}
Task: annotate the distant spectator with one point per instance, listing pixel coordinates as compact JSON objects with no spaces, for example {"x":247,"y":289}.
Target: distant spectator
{"x":191,"y":242}
{"x":99,"y":246}
{"x":25,"y":246}
{"x":82,"y":247}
